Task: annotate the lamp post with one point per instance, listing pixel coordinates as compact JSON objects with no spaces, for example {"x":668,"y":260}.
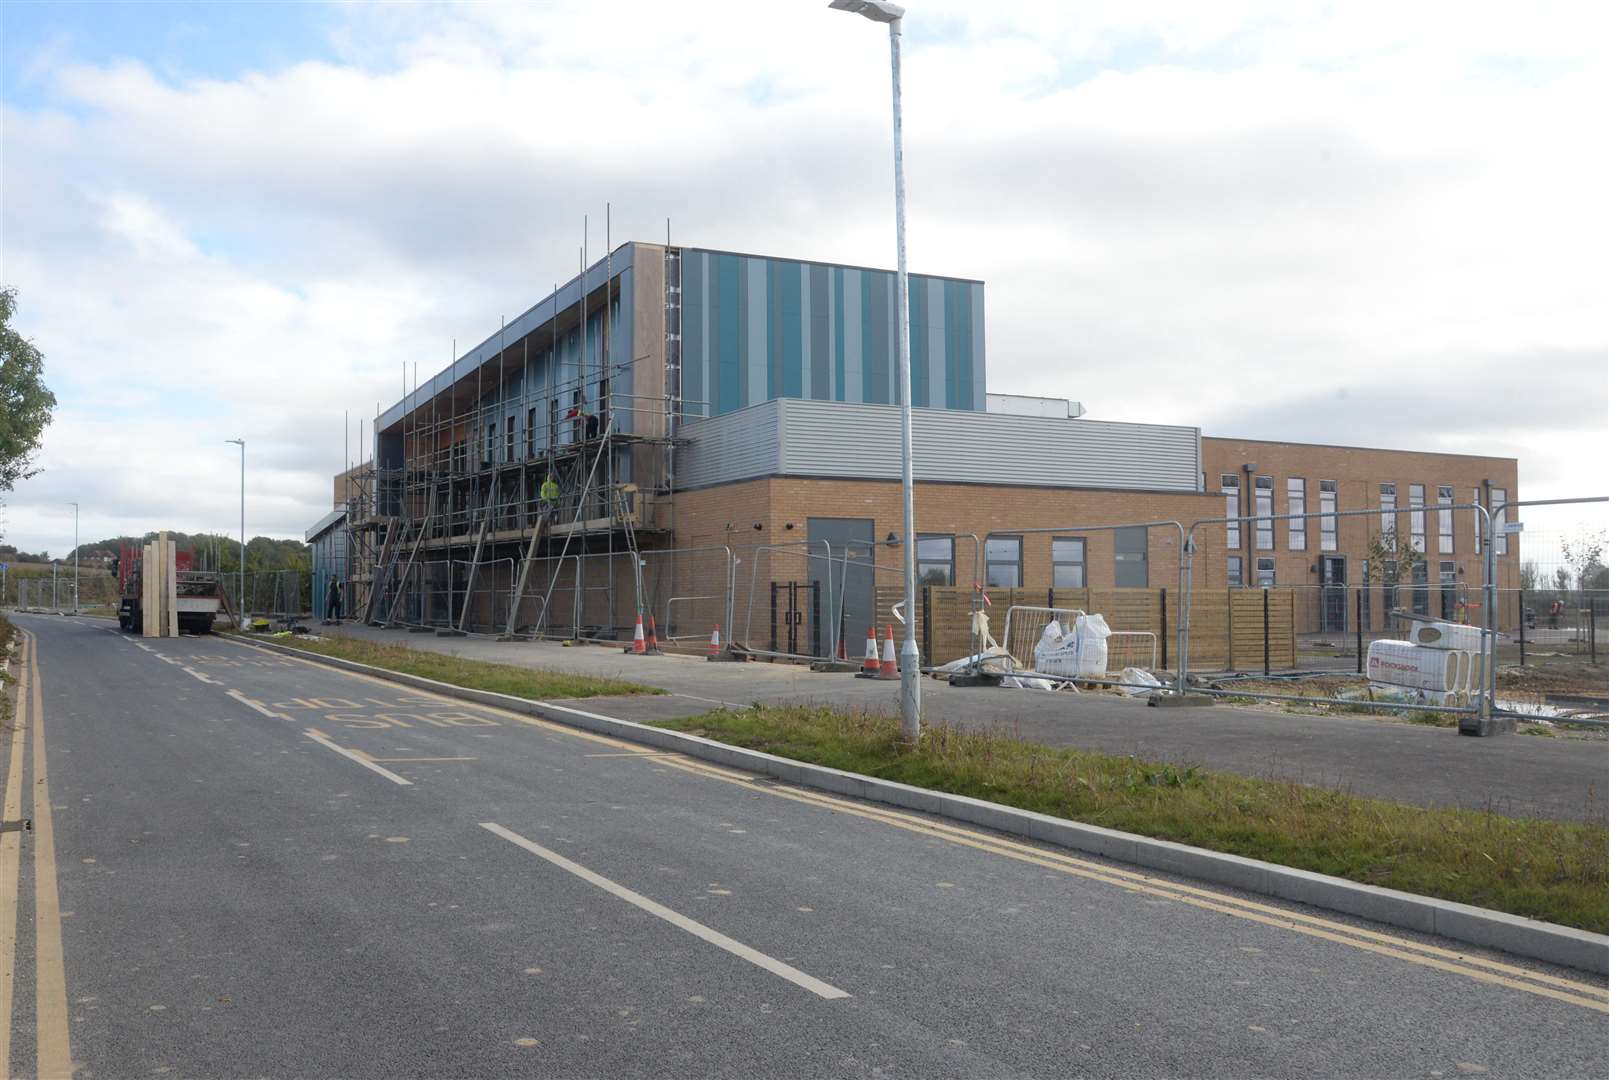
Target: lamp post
{"x":910,"y":686}
{"x":240,"y":612}
{"x":75,"y":557}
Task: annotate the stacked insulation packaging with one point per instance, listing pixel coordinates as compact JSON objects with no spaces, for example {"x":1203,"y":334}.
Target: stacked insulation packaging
{"x":1440,"y":661}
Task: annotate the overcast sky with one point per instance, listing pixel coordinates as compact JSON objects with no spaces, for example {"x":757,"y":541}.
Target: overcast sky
{"x":1371,"y":223}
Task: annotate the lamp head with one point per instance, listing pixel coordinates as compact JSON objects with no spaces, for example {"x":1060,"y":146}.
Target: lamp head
{"x":876,"y":10}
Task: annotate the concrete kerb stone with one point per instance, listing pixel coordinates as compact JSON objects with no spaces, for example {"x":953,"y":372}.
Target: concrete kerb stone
{"x":1519,"y":936}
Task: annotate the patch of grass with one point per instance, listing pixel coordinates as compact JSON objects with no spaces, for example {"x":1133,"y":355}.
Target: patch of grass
{"x":532,"y":683}
{"x":1544,"y":869}
{"x":7,"y":632}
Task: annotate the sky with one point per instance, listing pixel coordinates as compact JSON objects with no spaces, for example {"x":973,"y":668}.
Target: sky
{"x":1365,"y":223}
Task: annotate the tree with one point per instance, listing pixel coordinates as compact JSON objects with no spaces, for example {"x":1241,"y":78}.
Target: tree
{"x":1583,"y":551}
{"x":1561,"y":579}
{"x":25,"y":402}
{"x":1530,"y":575}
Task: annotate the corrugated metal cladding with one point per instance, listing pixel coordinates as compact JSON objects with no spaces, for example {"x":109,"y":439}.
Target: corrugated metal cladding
{"x":757,"y":328}
{"x":738,"y":446}
{"x":862,"y":442}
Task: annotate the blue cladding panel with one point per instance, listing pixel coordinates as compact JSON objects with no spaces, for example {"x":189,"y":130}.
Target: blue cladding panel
{"x":748,"y":322}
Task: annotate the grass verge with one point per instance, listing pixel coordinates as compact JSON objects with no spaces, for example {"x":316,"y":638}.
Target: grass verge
{"x":531,"y":683}
{"x":1543,"y":869}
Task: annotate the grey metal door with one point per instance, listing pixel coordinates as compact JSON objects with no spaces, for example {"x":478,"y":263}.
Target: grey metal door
{"x":1332,"y":573}
{"x":852,"y":583}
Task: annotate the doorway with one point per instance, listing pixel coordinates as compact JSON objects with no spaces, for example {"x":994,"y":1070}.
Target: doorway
{"x":1332,"y":580}
{"x":850,"y":586}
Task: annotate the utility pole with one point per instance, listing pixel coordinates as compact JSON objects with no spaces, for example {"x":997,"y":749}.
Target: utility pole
{"x":75,"y":558}
{"x":240,"y":612}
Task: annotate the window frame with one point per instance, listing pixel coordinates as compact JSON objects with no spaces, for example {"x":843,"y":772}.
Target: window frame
{"x":990,"y":563}
{"x":924,"y":563}
{"x":1122,"y":558}
{"x":1236,"y":571}
{"x":1271,"y":569}
{"x":1263,"y":513}
{"x":1388,"y":510}
{"x":1296,"y":503}
{"x":1328,"y":533}
{"x":1444,"y":519}
{"x":1229,"y":487}
{"x":1476,"y":519}
{"x":1416,"y":517}
{"x":1081,"y":563}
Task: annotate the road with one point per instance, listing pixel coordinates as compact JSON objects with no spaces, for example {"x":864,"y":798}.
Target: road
{"x":247,"y":864}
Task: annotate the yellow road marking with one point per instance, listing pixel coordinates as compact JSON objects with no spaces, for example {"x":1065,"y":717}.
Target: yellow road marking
{"x":1432,"y":956}
{"x":1507,"y":975}
{"x":11,"y":861}
{"x":55,"y":1056}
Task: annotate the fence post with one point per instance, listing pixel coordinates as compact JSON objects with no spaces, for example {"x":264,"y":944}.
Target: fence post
{"x":1359,"y":622}
{"x":774,"y":617}
{"x":1522,"y":628}
{"x":1592,"y":626}
{"x":1164,"y":635}
{"x":815,"y":619}
{"x":927,"y":622}
{"x":1267,"y":669}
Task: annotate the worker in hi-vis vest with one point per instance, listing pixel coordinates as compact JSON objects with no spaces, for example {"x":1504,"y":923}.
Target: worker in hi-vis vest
{"x":549,"y":493}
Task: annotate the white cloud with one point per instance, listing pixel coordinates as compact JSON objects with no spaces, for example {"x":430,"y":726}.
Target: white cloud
{"x":1194,"y":213}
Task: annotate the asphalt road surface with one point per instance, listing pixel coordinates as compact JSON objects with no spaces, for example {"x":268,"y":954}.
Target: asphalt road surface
{"x":243,"y":864}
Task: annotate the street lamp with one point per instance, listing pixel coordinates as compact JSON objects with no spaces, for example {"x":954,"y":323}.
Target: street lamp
{"x":910,"y":686}
{"x":75,"y":557}
{"x":240,"y":612}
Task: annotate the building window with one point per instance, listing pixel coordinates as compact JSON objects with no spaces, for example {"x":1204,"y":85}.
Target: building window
{"x":1265,"y":572}
{"x":1130,"y":571}
{"x":1421,"y":588}
{"x":1236,"y":574}
{"x":508,"y":440}
{"x":1265,"y":511}
{"x":491,"y":443}
{"x":935,"y":560}
{"x":530,"y":432}
{"x":1475,"y":500}
{"x":1067,"y":562}
{"x":1416,"y":516}
{"x":1296,"y":503}
{"x":1327,"y":491}
{"x":1388,"y":509}
{"x":1444,"y":520}
{"x":1499,"y":497}
{"x":1231,"y":489}
{"x":1388,"y":589}
{"x":1002,"y":558}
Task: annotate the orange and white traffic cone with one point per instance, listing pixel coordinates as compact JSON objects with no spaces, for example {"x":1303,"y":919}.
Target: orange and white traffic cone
{"x":869,"y":666}
{"x":890,"y":666}
{"x":653,"y":635}
{"x":715,"y":641}
{"x":637,"y":645}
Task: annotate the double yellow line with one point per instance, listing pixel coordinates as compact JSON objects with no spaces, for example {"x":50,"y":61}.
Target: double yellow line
{"x":1467,"y":965}
{"x":1470,"y":966}
{"x":50,"y":974}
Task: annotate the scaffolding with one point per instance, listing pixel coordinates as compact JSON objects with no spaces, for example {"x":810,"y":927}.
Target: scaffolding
{"x":549,"y":451}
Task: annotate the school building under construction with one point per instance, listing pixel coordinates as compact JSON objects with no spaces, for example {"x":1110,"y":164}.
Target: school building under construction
{"x":704,"y":438}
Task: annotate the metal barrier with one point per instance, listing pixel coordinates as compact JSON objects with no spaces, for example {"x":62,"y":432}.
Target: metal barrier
{"x":1023,"y":631}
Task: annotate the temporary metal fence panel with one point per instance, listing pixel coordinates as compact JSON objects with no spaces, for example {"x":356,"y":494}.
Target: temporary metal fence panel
{"x":688,"y":591}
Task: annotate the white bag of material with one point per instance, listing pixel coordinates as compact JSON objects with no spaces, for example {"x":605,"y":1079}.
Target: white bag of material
{"x":1057,"y":652}
{"x":1145,"y":680}
{"x":1091,"y":633}
{"x":1446,"y":635}
{"x":1027,"y":682}
{"x":1401,"y":663}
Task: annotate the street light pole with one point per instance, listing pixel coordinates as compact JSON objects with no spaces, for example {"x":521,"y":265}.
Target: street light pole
{"x":75,"y":557}
{"x":240,"y":612}
{"x":910,"y":674}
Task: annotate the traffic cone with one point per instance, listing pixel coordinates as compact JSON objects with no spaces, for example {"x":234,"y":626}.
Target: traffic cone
{"x":869,"y":667}
{"x":890,"y":666}
{"x":653,"y":635}
{"x":715,"y":641}
{"x":637,"y":647}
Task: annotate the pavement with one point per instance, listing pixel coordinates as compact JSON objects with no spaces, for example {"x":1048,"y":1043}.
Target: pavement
{"x":248,"y":864}
{"x":1522,"y":776}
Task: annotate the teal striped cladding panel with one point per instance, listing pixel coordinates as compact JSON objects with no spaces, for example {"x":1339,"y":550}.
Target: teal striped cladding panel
{"x":756,"y":329}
